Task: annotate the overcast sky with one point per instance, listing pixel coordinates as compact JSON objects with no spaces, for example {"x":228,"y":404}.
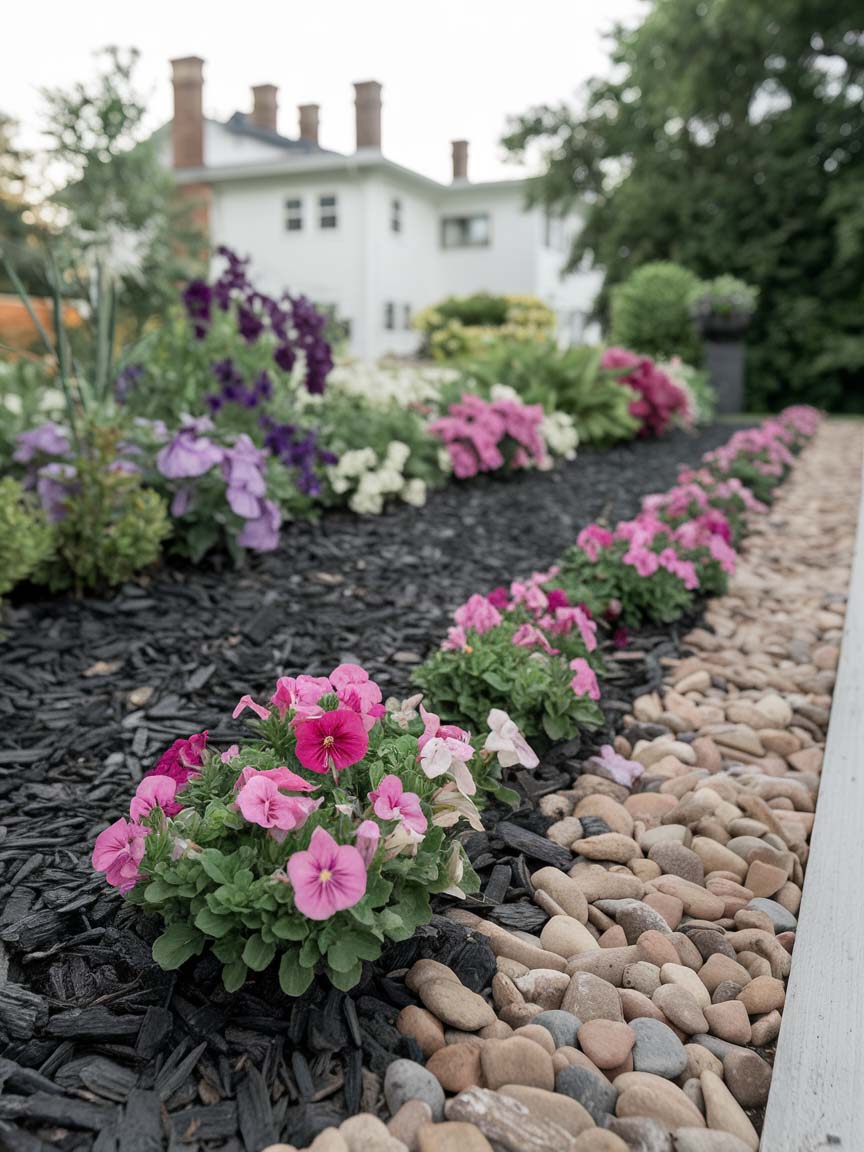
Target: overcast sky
{"x":450,"y":69}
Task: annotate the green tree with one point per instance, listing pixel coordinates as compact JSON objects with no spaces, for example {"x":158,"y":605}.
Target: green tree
{"x":730,"y":139}
{"x":122,"y":221}
{"x":19,"y":230}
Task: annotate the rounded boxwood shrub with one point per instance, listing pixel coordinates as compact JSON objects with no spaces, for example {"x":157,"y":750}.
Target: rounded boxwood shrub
{"x":651,"y":312}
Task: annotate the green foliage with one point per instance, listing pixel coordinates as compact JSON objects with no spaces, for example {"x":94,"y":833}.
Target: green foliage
{"x":568,"y":380}
{"x":728,"y":140}
{"x":726,"y":297}
{"x":480,"y":310}
{"x":112,"y":526}
{"x":463,"y":325}
{"x":651,"y":312}
{"x":19,"y":231}
{"x":26,"y":539}
{"x":493,"y":672}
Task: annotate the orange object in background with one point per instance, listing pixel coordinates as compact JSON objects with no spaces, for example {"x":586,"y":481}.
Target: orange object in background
{"x":17,"y":330}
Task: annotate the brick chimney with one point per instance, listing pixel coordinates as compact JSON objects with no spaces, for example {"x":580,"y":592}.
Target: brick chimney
{"x":309,"y":122}
{"x":367,"y":102}
{"x":187,"y":127}
{"x":460,"y":160}
{"x":265,"y":106}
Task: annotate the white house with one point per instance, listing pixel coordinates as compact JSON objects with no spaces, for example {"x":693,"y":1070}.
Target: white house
{"x":363,"y":234}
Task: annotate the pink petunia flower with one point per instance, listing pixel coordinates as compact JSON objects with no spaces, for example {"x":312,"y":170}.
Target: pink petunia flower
{"x":444,"y":754}
{"x":477,"y":613}
{"x":456,"y":640}
{"x":228,"y":755}
{"x":327,"y":877}
{"x":529,"y":636}
{"x":281,"y":777}
{"x":619,"y":768}
{"x":507,"y":741}
{"x":390,"y":802}
{"x":153,"y":792}
{"x":357,"y":692}
{"x":584,"y":683}
{"x":368,"y":835}
{"x":300,"y":694}
{"x":334,"y":740}
{"x":499,"y":597}
{"x":261,"y":802}
{"x":247,"y":702}
{"x":118,"y":852}
{"x":180,"y":762}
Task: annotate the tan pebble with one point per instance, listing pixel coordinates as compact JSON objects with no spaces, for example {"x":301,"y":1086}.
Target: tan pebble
{"x":764,"y":879}
{"x":765,"y":1029}
{"x":642,"y":977}
{"x":544,"y":986}
{"x":561,"y":1110}
{"x":516,"y":1015}
{"x":516,"y":1061}
{"x":715,"y":857}
{"x":729,"y":1021}
{"x":457,"y":1066}
{"x":426,"y":1029}
{"x":665,"y":834}
{"x":719,"y":968}
{"x":723,"y":1111}
{"x":607,"y":963}
{"x":700,"y":1060}
{"x":708,"y":755}
{"x":505,"y":992}
{"x":782,"y":743}
{"x":607,"y":1042}
{"x":511,"y":968}
{"x":330,"y":1140}
{"x":599,"y":1140}
{"x":762,"y":995}
{"x":497,"y":1031}
{"x":609,"y":846}
{"x":556,"y":806}
{"x":452,"y":1136}
{"x":680,"y":1008}
{"x":590,"y":997}
{"x":649,"y":806}
{"x":644,"y":870}
{"x":569,"y":1057}
{"x":406,"y":1123}
{"x":697,"y":901}
{"x":790,"y":897}
{"x":673,"y":1111}
{"x":566,"y":936}
{"x":614,"y":814}
{"x":688,"y":954}
{"x":568,"y":894}
{"x":636,"y":1005}
{"x":807,"y":760}
{"x":755,"y":965}
{"x":365,"y":1132}
{"x":565,"y":832}
{"x":425,"y":970}
{"x":655,"y":948}
{"x":613,"y":937}
{"x":669,"y":907}
{"x":538,"y":1034}
{"x":686,"y":978}
{"x":754,"y":918}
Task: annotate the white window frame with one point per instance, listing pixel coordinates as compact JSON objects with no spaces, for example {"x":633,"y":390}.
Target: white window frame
{"x":464,"y":222}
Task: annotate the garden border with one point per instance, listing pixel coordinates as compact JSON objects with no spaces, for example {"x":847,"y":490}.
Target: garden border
{"x":816,"y":1100}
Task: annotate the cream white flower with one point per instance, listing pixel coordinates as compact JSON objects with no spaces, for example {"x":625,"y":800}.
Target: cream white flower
{"x":414,"y":493}
{"x":507,"y":742}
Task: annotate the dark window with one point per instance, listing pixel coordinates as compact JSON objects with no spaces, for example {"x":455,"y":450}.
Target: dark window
{"x":395,"y":215}
{"x":327,"y":212}
{"x":390,"y":316}
{"x":293,"y":215}
{"x":406,"y":315}
{"x":466,"y":231}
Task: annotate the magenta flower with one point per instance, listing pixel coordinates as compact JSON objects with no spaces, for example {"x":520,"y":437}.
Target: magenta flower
{"x":281,"y":777}
{"x":154,"y":792}
{"x":390,"y":802}
{"x":584,"y":683}
{"x":332,"y":741}
{"x":247,"y":702}
{"x":368,"y":835}
{"x":262,"y":803}
{"x":118,"y":852}
{"x":328,"y":877}
{"x":557,"y":598}
{"x":180,"y":762}
{"x":499,"y":597}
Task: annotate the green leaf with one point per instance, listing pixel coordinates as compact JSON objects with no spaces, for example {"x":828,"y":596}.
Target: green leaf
{"x":351,"y":947}
{"x":294,"y":979}
{"x":211,"y":924}
{"x":310,"y":953}
{"x":505,"y":795}
{"x":158,"y":890}
{"x":344,"y":981}
{"x":289,"y":928}
{"x":257,"y":954}
{"x":234,"y":976}
{"x":176,"y":945}
{"x":213,"y":863}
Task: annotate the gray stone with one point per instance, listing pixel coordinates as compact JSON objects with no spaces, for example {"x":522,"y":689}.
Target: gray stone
{"x":657,"y":1049}
{"x":596,"y":1095}
{"x":642,"y":1134}
{"x":709,"y":942}
{"x":781,"y":917}
{"x":562,"y":1025}
{"x":636,"y":918}
{"x":720,"y":1048}
{"x":405,"y":1080}
{"x":675,"y":860}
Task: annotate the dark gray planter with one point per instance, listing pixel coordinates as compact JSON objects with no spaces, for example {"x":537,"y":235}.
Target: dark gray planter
{"x":724,"y":360}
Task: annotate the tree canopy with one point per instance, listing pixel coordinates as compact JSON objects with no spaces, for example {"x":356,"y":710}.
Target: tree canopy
{"x":729,"y":138}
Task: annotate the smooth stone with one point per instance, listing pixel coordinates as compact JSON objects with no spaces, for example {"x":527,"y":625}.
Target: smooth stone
{"x":330,"y":1140}
{"x":765,"y":1029}
{"x":516,"y":1061}
{"x":452,"y":1136}
{"x":607,"y":963}
{"x":457,"y":1066}
{"x":656,"y":948}
{"x":729,"y":1021}
{"x":699,"y":1060}
{"x":719,"y":1048}
{"x":614,"y":814}
{"x":507,"y":1124}
{"x":723,"y":1111}
{"x":657,"y":1049}
{"x":537,"y":1034}
{"x":781,"y":917}
{"x":426,"y":1029}
{"x":562,"y":1026}
{"x":673,"y":1111}
{"x":669,"y":907}
{"x":591,"y":998}
{"x":725,"y":990}
{"x":599,"y":884}
{"x":606,"y":1042}
{"x":543,"y":986}
{"x":611,"y":846}
{"x":676,"y":860}
{"x":456,"y":1005}
{"x":686,"y":978}
{"x":599,"y":1140}
{"x":698,"y":902}
{"x":719,"y":968}
{"x":702,"y":1140}
{"x":748,"y":1078}
{"x":424,"y":970}
{"x":642,"y":977}
{"x":635,"y":1005}
{"x":642,"y":1134}
{"x":635,"y":918}
{"x":408,"y":1121}
{"x":562,"y":1110}
{"x":566,"y":893}
{"x":680,"y":1008}
{"x":566,"y":936}
{"x":593,"y":1092}
{"x":764,"y":994}
{"x":406,"y":1080}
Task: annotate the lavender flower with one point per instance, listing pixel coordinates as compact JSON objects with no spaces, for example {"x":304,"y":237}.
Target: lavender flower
{"x":243,"y":469}
{"x":189,"y":454}
{"x":55,"y":484}
{"x":262,"y":533}
{"x":47,"y":439}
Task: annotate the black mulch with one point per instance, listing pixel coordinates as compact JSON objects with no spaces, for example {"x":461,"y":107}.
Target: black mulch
{"x":100,"y":1049}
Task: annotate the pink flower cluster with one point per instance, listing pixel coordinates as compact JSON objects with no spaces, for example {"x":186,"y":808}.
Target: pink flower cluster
{"x":767,"y":443}
{"x":349,"y":683}
{"x":659,"y":399}
{"x":476,"y":432}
